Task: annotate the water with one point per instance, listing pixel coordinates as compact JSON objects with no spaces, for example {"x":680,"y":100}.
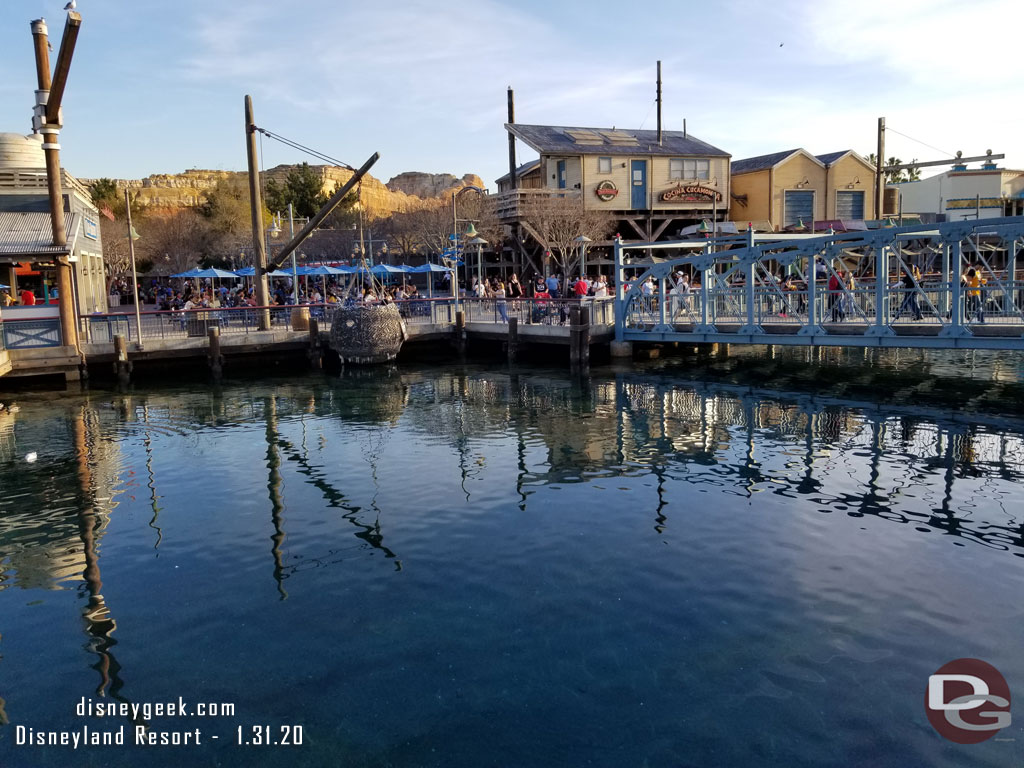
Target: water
{"x":463,"y":567}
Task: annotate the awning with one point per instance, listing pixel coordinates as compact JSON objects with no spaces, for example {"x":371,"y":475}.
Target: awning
{"x":29,"y":236}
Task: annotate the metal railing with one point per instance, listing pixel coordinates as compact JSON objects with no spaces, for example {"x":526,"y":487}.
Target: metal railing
{"x":741,"y":291}
{"x":533,"y":311}
{"x":191,"y":323}
{"x":30,"y":334}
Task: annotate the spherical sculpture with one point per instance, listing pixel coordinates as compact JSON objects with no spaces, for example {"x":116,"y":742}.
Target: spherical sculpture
{"x":366,"y":335}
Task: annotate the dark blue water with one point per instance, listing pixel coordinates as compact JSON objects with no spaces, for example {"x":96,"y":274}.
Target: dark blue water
{"x":461,"y":567}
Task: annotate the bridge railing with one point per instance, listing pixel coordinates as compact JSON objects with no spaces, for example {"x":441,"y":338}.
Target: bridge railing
{"x":533,"y":311}
{"x":930,"y":304}
{"x":801,"y":285}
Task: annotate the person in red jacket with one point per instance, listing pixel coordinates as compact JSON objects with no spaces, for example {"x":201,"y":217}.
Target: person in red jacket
{"x":28,"y":299}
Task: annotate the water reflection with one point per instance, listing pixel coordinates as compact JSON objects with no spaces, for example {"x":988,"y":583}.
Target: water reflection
{"x":508,"y":436}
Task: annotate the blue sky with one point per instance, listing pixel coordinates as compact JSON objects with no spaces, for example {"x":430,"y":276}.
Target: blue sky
{"x":158,"y":87}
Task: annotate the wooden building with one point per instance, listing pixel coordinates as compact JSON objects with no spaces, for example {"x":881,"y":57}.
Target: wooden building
{"x":795,"y":188}
{"x":653,"y":188}
{"x":27,"y":255}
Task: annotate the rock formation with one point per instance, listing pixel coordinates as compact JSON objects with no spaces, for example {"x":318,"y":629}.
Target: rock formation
{"x":427,"y":185}
{"x":405,"y":192}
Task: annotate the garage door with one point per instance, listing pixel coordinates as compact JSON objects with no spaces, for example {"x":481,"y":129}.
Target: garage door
{"x":850,"y":205}
{"x":799,"y":207}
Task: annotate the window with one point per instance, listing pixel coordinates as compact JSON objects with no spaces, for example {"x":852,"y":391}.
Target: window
{"x":678,"y":168}
{"x":604,"y":165}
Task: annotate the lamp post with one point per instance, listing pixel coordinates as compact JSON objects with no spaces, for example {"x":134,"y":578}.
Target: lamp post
{"x":295,"y":266}
{"x":273,"y":231}
{"x":479,"y":242}
{"x":583,"y":240}
{"x":455,"y":233}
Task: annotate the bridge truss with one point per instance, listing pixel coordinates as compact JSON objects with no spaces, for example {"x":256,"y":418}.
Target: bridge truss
{"x":889,"y":287}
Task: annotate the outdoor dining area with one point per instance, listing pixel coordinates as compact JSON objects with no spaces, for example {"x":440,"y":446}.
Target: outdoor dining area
{"x":224,"y":299}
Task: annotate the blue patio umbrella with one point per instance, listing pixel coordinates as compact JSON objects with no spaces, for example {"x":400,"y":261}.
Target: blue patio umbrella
{"x":214,"y":273}
{"x":194,"y":272}
{"x":322,"y":270}
{"x":251,"y":272}
{"x":3,"y":287}
{"x":387,"y":269}
{"x":430,"y":267}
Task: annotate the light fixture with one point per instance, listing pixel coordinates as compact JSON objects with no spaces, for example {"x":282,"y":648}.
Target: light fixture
{"x":471,"y":230}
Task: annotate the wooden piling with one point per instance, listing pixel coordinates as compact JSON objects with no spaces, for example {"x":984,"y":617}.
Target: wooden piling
{"x":315,"y":353}
{"x":575,"y":353}
{"x":122,"y":365}
{"x":513,"y":338}
{"x":214,"y":357}
{"x":460,"y":333}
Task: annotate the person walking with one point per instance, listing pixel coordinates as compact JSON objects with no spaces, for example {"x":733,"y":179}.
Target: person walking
{"x":975,"y":305}
{"x":499,"y":301}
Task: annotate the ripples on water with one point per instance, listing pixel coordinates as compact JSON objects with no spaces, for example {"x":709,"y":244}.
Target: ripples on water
{"x":463,"y":567}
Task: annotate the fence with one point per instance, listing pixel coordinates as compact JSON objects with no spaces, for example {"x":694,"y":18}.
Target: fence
{"x":530,"y":311}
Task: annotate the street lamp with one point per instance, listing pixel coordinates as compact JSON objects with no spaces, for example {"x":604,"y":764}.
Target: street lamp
{"x":583,"y":240}
{"x":455,"y":235}
{"x":479,"y":242}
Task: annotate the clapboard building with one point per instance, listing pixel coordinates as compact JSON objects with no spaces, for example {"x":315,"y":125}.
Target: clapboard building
{"x":797,"y":190}
{"x":652,"y":187}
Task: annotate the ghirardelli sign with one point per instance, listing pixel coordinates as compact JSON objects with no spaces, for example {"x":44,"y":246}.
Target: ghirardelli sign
{"x":690,"y":194}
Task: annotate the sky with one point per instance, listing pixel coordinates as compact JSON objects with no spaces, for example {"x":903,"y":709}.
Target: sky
{"x":158,"y":87}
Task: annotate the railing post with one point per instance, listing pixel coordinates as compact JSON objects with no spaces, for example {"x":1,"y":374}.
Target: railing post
{"x":956,"y":326}
{"x":944,"y":303}
{"x":881,"y":326}
{"x":811,"y":327}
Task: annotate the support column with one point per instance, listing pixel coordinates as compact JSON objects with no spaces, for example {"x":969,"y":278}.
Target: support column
{"x":811,"y":327}
{"x":944,"y":299}
{"x":214,"y":356}
{"x":122,"y":365}
{"x":51,"y":150}
{"x":956,"y":326}
{"x":258,"y":240}
{"x":513,"y":338}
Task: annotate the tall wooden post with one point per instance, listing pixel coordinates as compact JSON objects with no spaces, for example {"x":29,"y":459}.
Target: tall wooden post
{"x":259,"y":248}
{"x":48,"y":124}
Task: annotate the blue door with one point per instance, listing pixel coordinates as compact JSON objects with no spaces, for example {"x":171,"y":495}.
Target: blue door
{"x":561,"y":174}
{"x":638,"y":184}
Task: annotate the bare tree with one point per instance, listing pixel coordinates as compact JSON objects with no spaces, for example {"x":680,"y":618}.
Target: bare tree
{"x":556,"y":221}
{"x":116,"y":259}
{"x":176,"y":242}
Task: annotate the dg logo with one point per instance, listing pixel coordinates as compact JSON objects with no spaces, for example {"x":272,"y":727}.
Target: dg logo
{"x":967,"y":701}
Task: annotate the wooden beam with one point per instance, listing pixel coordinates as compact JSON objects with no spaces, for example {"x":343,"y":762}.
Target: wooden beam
{"x":322,"y":214}
{"x":60,"y":74}
{"x":633,"y":224}
{"x":661,"y":228}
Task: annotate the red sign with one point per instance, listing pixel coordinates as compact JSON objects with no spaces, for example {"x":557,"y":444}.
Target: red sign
{"x":606,"y":190}
{"x":691,"y":194}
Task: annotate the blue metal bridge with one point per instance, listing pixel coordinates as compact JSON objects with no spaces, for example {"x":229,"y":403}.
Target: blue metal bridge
{"x":944,"y":286}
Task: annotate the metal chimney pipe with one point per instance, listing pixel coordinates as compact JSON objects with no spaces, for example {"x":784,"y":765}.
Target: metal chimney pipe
{"x":659,"y":102}
{"x":513,"y":181}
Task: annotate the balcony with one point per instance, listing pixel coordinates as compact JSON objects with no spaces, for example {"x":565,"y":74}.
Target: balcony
{"x":510,"y":206}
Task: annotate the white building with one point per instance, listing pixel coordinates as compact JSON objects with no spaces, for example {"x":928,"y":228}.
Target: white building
{"x":961,"y":193}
